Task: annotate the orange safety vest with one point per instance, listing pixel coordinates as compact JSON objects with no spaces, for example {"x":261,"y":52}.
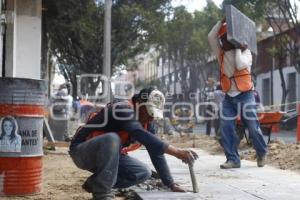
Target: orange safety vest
{"x":124,"y":135}
{"x":242,"y":78}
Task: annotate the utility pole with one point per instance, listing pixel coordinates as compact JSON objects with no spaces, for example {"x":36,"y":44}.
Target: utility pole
{"x":107,"y":48}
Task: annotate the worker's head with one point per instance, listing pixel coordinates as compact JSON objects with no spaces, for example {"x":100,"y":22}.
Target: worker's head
{"x":222,"y":35}
{"x":149,"y":104}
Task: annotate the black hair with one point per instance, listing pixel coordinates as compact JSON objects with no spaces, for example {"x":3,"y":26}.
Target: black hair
{"x":135,"y":98}
{"x":226,"y":45}
{"x":144,"y":94}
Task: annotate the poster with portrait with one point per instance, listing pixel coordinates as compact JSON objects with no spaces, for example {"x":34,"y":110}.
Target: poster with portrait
{"x":10,"y":140}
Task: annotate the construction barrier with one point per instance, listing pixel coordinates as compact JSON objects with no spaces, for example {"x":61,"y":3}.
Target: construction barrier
{"x":22,"y":111}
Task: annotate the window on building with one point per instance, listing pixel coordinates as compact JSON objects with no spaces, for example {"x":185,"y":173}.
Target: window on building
{"x":266,"y":92}
{"x":167,"y":80}
{"x":188,"y":75}
{"x":158,"y":61}
{"x":291,"y":86}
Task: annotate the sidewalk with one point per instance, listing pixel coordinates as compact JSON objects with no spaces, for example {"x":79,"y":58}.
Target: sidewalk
{"x":247,"y":183}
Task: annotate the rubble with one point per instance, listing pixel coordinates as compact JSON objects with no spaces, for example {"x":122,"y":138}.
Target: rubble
{"x":282,"y":155}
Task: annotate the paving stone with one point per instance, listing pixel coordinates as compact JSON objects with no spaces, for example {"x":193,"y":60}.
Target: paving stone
{"x":240,"y":28}
{"x":248,"y":182}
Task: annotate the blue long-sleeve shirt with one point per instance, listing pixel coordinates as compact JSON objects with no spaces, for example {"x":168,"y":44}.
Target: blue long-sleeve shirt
{"x":159,"y":162}
{"x":120,"y":116}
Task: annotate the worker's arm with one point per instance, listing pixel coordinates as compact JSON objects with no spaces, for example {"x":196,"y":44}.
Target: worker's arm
{"x":243,"y":59}
{"x":128,"y":122}
{"x":213,"y":39}
{"x":183,"y":154}
{"x":154,"y":145}
{"x":161,"y":166}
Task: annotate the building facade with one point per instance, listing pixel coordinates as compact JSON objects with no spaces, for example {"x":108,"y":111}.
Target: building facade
{"x":20,"y":40}
{"x":267,"y":70}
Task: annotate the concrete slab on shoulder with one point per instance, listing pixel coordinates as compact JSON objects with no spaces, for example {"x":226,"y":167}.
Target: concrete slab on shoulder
{"x":247,"y":183}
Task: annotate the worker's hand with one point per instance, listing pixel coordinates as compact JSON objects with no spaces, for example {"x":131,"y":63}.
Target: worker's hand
{"x":244,"y":46}
{"x":187,"y":155}
{"x":177,"y":188}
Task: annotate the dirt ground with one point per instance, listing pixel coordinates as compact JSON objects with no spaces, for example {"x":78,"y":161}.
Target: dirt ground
{"x":62,"y":180}
{"x":281,"y":155}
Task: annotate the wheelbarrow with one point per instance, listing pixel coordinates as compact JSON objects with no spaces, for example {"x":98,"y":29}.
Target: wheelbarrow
{"x":267,"y":121}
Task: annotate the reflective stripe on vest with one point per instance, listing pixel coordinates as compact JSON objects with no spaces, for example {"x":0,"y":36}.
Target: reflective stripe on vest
{"x":242,"y":78}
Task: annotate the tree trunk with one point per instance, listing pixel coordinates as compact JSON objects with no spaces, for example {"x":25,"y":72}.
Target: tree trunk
{"x":183,"y":76}
{"x":169,"y":72}
{"x":195,"y":82}
{"x":284,"y":90}
{"x":175,"y":75}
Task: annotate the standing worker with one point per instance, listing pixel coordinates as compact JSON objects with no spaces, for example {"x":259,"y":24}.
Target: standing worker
{"x":101,"y":146}
{"x":235,"y":78}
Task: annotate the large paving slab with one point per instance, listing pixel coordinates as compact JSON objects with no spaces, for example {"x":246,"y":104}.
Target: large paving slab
{"x":240,"y":28}
{"x":247,"y":183}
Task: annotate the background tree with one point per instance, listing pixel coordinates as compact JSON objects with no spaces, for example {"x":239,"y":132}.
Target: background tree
{"x":282,"y":17}
{"x":182,"y":40}
{"x":254,"y":9}
{"x":199,"y":50}
{"x":75,"y":33}
{"x":179,"y":31}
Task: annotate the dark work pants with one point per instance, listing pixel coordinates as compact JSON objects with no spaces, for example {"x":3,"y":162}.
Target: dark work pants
{"x":244,"y":104}
{"x":101,"y":156}
{"x":209,"y":121}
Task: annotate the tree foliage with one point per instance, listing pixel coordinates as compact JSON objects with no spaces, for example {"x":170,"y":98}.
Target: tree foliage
{"x":75,"y":32}
{"x":254,"y":9}
{"x":282,"y":16}
{"x":182,"y":40}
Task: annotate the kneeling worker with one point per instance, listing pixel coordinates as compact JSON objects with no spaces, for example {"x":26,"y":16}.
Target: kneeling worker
{"x":101,"y":145}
